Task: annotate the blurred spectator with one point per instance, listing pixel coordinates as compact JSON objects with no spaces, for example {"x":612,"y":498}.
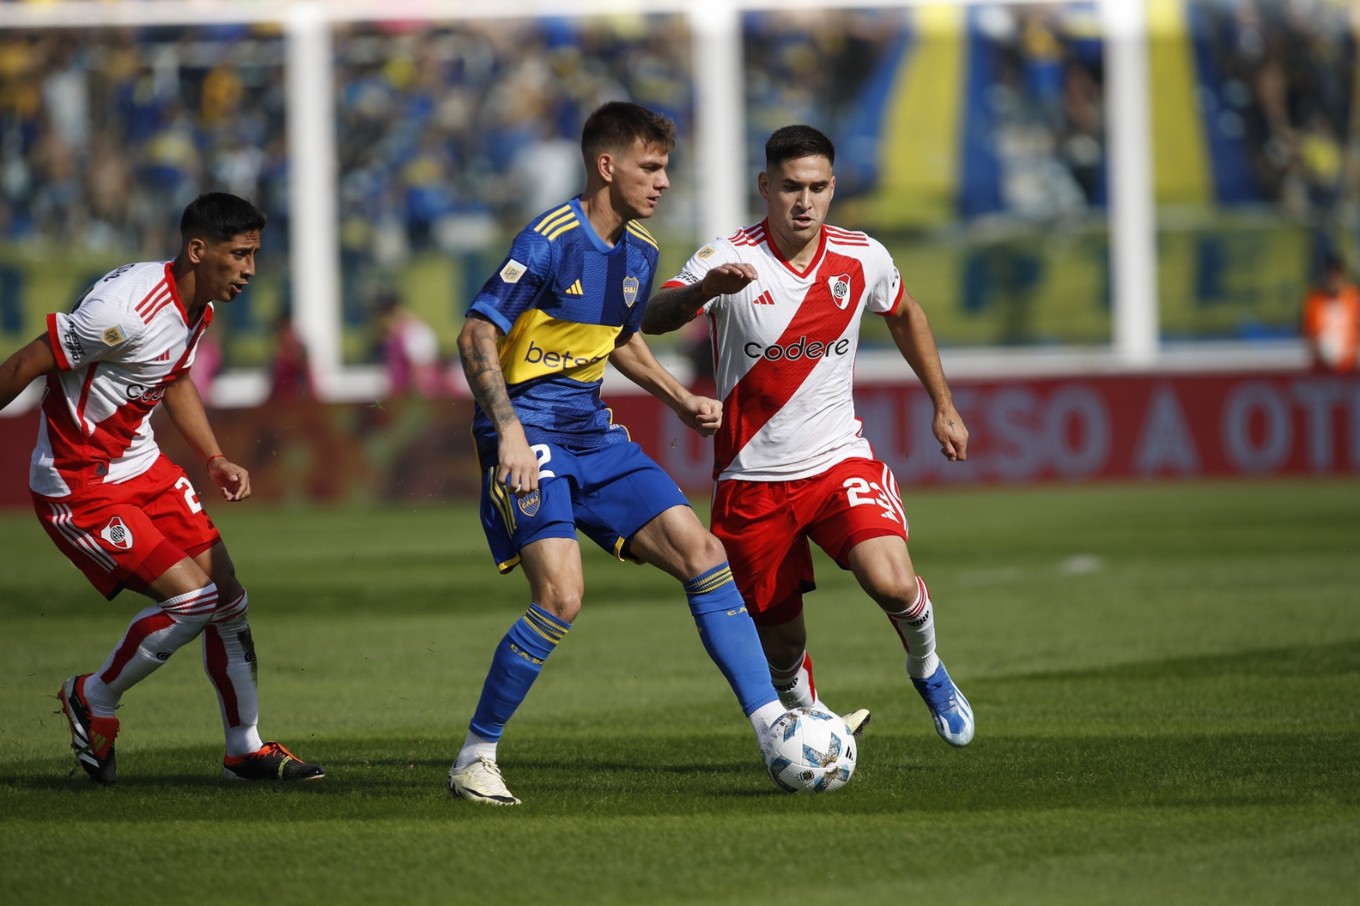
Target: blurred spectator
{"x":290,"y":371}
{"x":1331,"y":320}
{"x":410,"y":350}
{"x":1276,"y":82}
{"x":545,"y":171}
{"x":697,"y":339}
{"x":207,"y":365}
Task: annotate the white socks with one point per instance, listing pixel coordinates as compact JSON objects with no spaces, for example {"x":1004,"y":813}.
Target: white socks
{"x":229,"y":661}
{"x":795,"y":684}
{"x":916,"y":628}
{"x":154,"y":634}
{"x":475,"y":747}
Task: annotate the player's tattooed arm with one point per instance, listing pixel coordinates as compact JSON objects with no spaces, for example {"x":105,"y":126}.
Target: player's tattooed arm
{"x":481,"y":363}
{"x":673,"y":307}
{"x":518,"y":468}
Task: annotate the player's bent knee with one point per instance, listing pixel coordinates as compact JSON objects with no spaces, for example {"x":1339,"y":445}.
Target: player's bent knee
{"x":891,"y":584}
{"x":193,"y":608}
{"x":706,"y":552}
{"x":231,"y":608}
{"x":895,"y":596}
{"x":564,"y":605}
{"x":184,"y":617}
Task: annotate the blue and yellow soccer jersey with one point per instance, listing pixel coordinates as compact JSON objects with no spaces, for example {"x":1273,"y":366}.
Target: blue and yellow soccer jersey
{"x":562,"y":298}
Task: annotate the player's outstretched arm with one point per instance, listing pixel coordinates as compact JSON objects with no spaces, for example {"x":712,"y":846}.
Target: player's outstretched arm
{"x":635,"y":361}
{"x":477,"y":348}
{"x":185,"y":408}
{"x":911,"y":332}
{"x":671,"y":308}
{"x":28,"y":363}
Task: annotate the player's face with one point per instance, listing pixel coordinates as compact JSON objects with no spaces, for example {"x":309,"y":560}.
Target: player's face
{"x":224,"y":268}
{"x":639,"y":178}
{"x":797,"y":195}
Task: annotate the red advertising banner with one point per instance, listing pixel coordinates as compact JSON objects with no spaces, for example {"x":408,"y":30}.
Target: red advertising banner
{"x":1069,"y":429}
{"x":1084,"y":428}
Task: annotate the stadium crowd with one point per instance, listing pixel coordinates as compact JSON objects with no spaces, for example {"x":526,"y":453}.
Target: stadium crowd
{"x":1278,"y":81}
{"x":450,"y":134}
{"x":441,"y":125}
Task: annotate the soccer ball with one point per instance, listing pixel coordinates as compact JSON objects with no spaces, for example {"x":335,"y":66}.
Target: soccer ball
{"x":810,"y":750}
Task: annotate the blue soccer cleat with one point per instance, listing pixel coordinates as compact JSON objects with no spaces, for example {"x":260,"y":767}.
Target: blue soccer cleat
{"x":953,"y":715}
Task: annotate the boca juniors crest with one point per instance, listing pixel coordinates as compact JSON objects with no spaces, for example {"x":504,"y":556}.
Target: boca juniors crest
{"x":630,"y":290}
{"x":529,"y":503}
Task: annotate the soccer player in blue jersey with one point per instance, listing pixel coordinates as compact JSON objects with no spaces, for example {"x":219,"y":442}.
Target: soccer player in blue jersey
{"x":568,"y":299}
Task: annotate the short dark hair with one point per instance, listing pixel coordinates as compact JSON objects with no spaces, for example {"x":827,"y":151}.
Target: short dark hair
{"x":793,"y":142}
{"x":219,"y":216}
{"x":617,"y":124}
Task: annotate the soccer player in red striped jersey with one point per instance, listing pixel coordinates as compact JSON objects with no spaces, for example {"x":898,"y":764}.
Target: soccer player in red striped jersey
{"x":121,"y":511}
{"x":785,"y":298}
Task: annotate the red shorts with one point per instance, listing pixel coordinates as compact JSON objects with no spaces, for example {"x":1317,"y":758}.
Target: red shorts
{"x":766,"y":525}
{"x":127,"y":535}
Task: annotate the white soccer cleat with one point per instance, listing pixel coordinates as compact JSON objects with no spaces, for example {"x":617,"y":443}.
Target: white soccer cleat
{"x":858,"y":720}
{"x":480,"y":781}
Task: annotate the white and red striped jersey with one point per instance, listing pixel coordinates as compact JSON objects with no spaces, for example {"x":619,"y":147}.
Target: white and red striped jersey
{"x":126,"y":338}
{"x":784,"y":350}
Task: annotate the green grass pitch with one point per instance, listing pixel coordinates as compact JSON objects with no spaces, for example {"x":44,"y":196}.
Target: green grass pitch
{"x":1166,"y":680}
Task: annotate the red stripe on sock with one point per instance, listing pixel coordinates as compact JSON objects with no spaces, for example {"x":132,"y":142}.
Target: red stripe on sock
{"x":137,"y":633}
{"x":215,"y":662}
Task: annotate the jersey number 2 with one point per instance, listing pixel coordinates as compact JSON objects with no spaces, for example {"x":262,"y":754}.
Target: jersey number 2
{"x":544,"y":455}
{"x":190,"y":496}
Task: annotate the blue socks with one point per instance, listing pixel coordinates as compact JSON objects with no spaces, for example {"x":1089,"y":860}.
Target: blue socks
{"x":730,"y":637}
{"x":724,"y":625}
{"x":516,"y":664}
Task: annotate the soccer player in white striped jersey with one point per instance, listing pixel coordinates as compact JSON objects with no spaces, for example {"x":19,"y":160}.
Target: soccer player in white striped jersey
{"x":121,"y":511}
{"x":785,"y":298}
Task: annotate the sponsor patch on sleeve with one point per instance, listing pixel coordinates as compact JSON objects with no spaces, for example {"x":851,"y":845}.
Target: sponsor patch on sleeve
{"x":70,"y":341}
{"x":706,"y":252}
{"x":114,"y":335}
{"x":512,"y":271}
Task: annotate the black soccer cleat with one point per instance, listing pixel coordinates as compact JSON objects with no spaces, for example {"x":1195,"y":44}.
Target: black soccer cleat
{"x":91,"y":736}
{"x":271,"y":762}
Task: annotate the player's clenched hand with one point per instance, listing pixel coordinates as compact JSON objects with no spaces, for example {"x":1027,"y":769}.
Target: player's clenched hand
{"x":231,"y":479}
{"x":729,"y":278}
{"x":952,"y":434}
{"x":703,"y":415}
{"x":517,"y":467}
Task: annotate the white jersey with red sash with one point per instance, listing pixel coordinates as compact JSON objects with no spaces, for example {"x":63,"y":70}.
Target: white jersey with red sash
{"x":126,"y":338}
{"x":784,"y":350}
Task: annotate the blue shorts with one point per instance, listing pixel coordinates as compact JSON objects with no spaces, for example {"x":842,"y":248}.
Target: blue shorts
{"x":608,"y":493}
